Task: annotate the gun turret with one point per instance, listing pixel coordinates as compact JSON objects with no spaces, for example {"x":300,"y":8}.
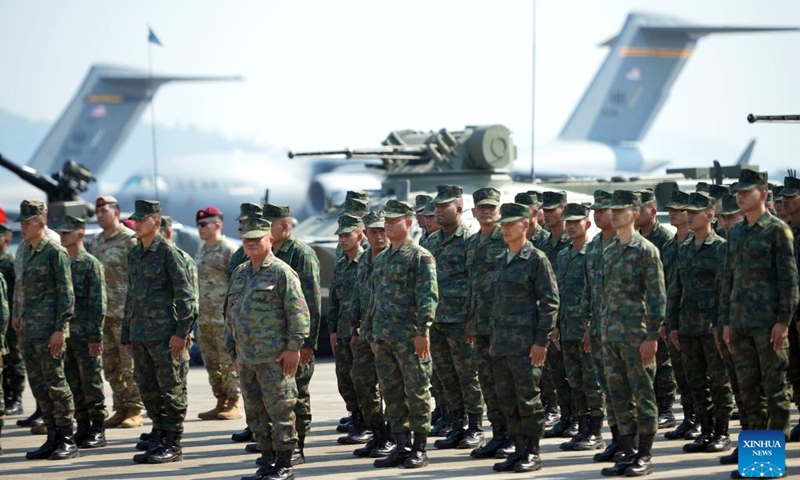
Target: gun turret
{"x":64,"y":186}
{"x":773,"y":118}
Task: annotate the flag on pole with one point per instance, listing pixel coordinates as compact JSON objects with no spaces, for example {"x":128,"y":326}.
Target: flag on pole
{"x":152,"y":38}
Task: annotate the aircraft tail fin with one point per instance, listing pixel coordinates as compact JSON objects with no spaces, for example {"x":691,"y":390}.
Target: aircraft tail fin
{"x":744,"y":158}
{"x":633,"y":83}
{"x":100,"y":117}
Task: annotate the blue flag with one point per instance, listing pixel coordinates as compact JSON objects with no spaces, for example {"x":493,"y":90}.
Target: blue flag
{"x":151,"y":37}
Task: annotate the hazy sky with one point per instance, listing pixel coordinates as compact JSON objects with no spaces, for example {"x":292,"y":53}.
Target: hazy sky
{"x":325,"y":74}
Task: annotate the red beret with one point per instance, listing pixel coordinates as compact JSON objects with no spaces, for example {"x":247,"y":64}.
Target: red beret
{"x":211,"y":211}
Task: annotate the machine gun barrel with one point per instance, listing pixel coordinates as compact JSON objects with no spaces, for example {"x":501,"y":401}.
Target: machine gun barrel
{"x":410,"y":152}
{"x":773,"y":118}
{"x":45,"y":184}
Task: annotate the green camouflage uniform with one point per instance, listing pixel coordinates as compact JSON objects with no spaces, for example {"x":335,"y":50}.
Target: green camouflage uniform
{"x":238,"y":258}
{"x":112,"y":252}
{"x":84,"y":371}
{"x":161,"y":302}
{"x":212,"y":264}
{"x":267,"y":314}
{"x":541,"y":238}
{"x":793,"y":373}
{"x":760,"y":290}
{"x":405,"y":296}
{"x":633,"y":310}
{"x":5,"y":321}
{"x":13,"y":365}
{"x":524,"y":313}
{"x":47,"y":302}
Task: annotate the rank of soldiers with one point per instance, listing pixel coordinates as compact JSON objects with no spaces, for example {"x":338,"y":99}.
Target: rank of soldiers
{"x":527,"y":320}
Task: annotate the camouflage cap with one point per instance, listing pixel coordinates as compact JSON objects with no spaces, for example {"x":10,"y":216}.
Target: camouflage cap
{"x":700,"y":201}
{"x":106,"y":200}
{"x":624,"y":199}
{"x":678,"y":200}
{"x":71,"y":224}
{"x":750,"y":179}
{"x":375,"y":219}
{"x":554,"y":200}
{"x":575,"y":211}
{"x":511,"y":212}
{"x":486,"y":196}
{"x":602,"y":199}
{"x":718,"y":191}
{"x":430,"y":209}
{"x":420,"y":201}
{"x":778,"y":192}
{"x":648,"y":195}
{"x":358,"y":195}
{"x":4,"y":229}
{"x":348,"y":223}
{"x":397,"y":208}
{"x":145,"y":208}
{"x":539,"y":195}
{"x":702,"y":186}
{"x":30,"y":209}
{"x":249,"y":210}
{"x":527,"y":198}
{"x":356,"y":205}
{"x":791,"y":186}
{"x":729,"y":205}
{"x":255,"y":227}
{"x":447,"y":193}
{"x":271,"y":212}
{"x":166,"y":221}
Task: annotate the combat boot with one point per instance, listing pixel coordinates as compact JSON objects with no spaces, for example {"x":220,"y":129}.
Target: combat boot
{"x":282,"y":469}
{"x":530,"y":461}
{"x":574,"y":427}
{"x":82,"y":433}
{"x":720,"y":442}
{"x":701,"y":442}
{"x":65,"y":447}
{"x":267,"y":458}
{"x":489,"y":450}
{"x":641,"y":464}
{"x":146,"y":444}
{"x":619,"y":468}
{"x":345,"y":427}
{"x":115,"y":420}
{"x":551,"y":416}
{"x":298,"y":454}
{"x":14,"y":404}
{"x":443,"y":426}
{"x":345,"y":420}
{"x":245,"y":435}
{"x":666,"y":419}
{"x":386,"y":446}
{"x":435,"y":414}
{"x":456,"y":434}
{"x":169,"y":451}
{"x":230,"y":410}
{"x":377,"y":438}
{"x":33,"y":420}
{"x":252,"y":448}
{"x":473,"y":437}
{"x":40,"y":429}
{"x":417,"y":458}
{"x":48,"y":447}
{"x":686,"y":425}
{"x":133,"y":418}
{"x":212,"y":414}
{"x":607,"y":455}
{"x":96,"y":437}
{"x":562,"y":426}
{"x":398,"y":457}
{"x":359,"y":432}
{"x":583,"y":427}
{"x":151,"y":445}
{"x":593,"y":439}
{"x":507,"y":465}
{"x":730,"y":459}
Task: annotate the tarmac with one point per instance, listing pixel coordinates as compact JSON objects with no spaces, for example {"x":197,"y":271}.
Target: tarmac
{"x":208,"y":451}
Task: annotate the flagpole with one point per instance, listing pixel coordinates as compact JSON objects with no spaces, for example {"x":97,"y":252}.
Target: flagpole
{"x":152,"y":117}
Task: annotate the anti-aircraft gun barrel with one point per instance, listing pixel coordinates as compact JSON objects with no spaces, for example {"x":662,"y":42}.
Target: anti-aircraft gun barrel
{"x":773,"y":118}
{"x":400,"y":152}
{"x":45,"y":184}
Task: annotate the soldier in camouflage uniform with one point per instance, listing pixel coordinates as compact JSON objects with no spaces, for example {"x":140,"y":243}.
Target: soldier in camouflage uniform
{"x":523,"y":315}
{"x":453,"y":356}
{"x":760,"y":297}
{"x":718,"y":193}
{"x":573,"y":319}
{"x":45,"y":302}
{"x":539,"y":236}
{"x":111,"y":247}
{"x":404,"y":300}
{"x":419,"y":207}
{"x":13,"y":366}
{"x":213,"y":259}
{"x":83,"y":364}
{"x":791,"y":203}
{"x":633,"y":310}
{"x":160,"y":311}
{"x":693,"y":311}
{"x":343,"y":300}
{"x":304,"y":261}
{"x":5,"y":321}
{"x":268,"y":323}
{"x":482,"y":251}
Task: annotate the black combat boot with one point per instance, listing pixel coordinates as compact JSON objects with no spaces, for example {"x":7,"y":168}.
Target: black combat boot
{"x":386,"y":445}
{"x":619,"y":468}
{"x":686,"y":425}
{"x":358,"y":433}
{"x":593,"y":439}
{"x":151,"y":445}
{"x":456,"y":434}
{"x":298,"y":454}
{"x":730,"y":459}
{"x":344,"y":427}
{"x":607,"y":455}
{"x":82,"y":433}
{"x":473,"y":438}
{"x":253,"y":448}
{"x":66,"y":447}
{"x":529,"y":461}
{"x":666,"y":419}
{"x":282,"y":469}
{"x":436,"y":414}
{"x":499,"y":436}
{"x":14,"y":404}
{"x":562,"y":426}
{"x":551,"y":416}
{"x":267,"y":458}
{"x":345,"y":420}
{"x":520,"y":450}
{"x":583,"y":428}
{"x":33,"y":421}
{"x":152,"y":441}
{"x":96,"y":437}
{"x":641,"y":464}
{"x":417,"y":458}
{"x":398,"y":457}
{"x":48,"y":447}
{"x":364,"y":451}
{"x":245,"y":435}
{"x":170,"y":449}
{"x":720,"y":442}
{"x":701,"y":442}
{"x":443,"y":426}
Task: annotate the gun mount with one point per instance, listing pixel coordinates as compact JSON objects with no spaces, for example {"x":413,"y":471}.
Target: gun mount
{"x":773,"y":118}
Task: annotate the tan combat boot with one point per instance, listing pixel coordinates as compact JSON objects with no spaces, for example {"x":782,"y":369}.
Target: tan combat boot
{"x":133,"y":418}
{"x":230,"y":410}
{"x":212,"y":414}
{"x":114,"y":420}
